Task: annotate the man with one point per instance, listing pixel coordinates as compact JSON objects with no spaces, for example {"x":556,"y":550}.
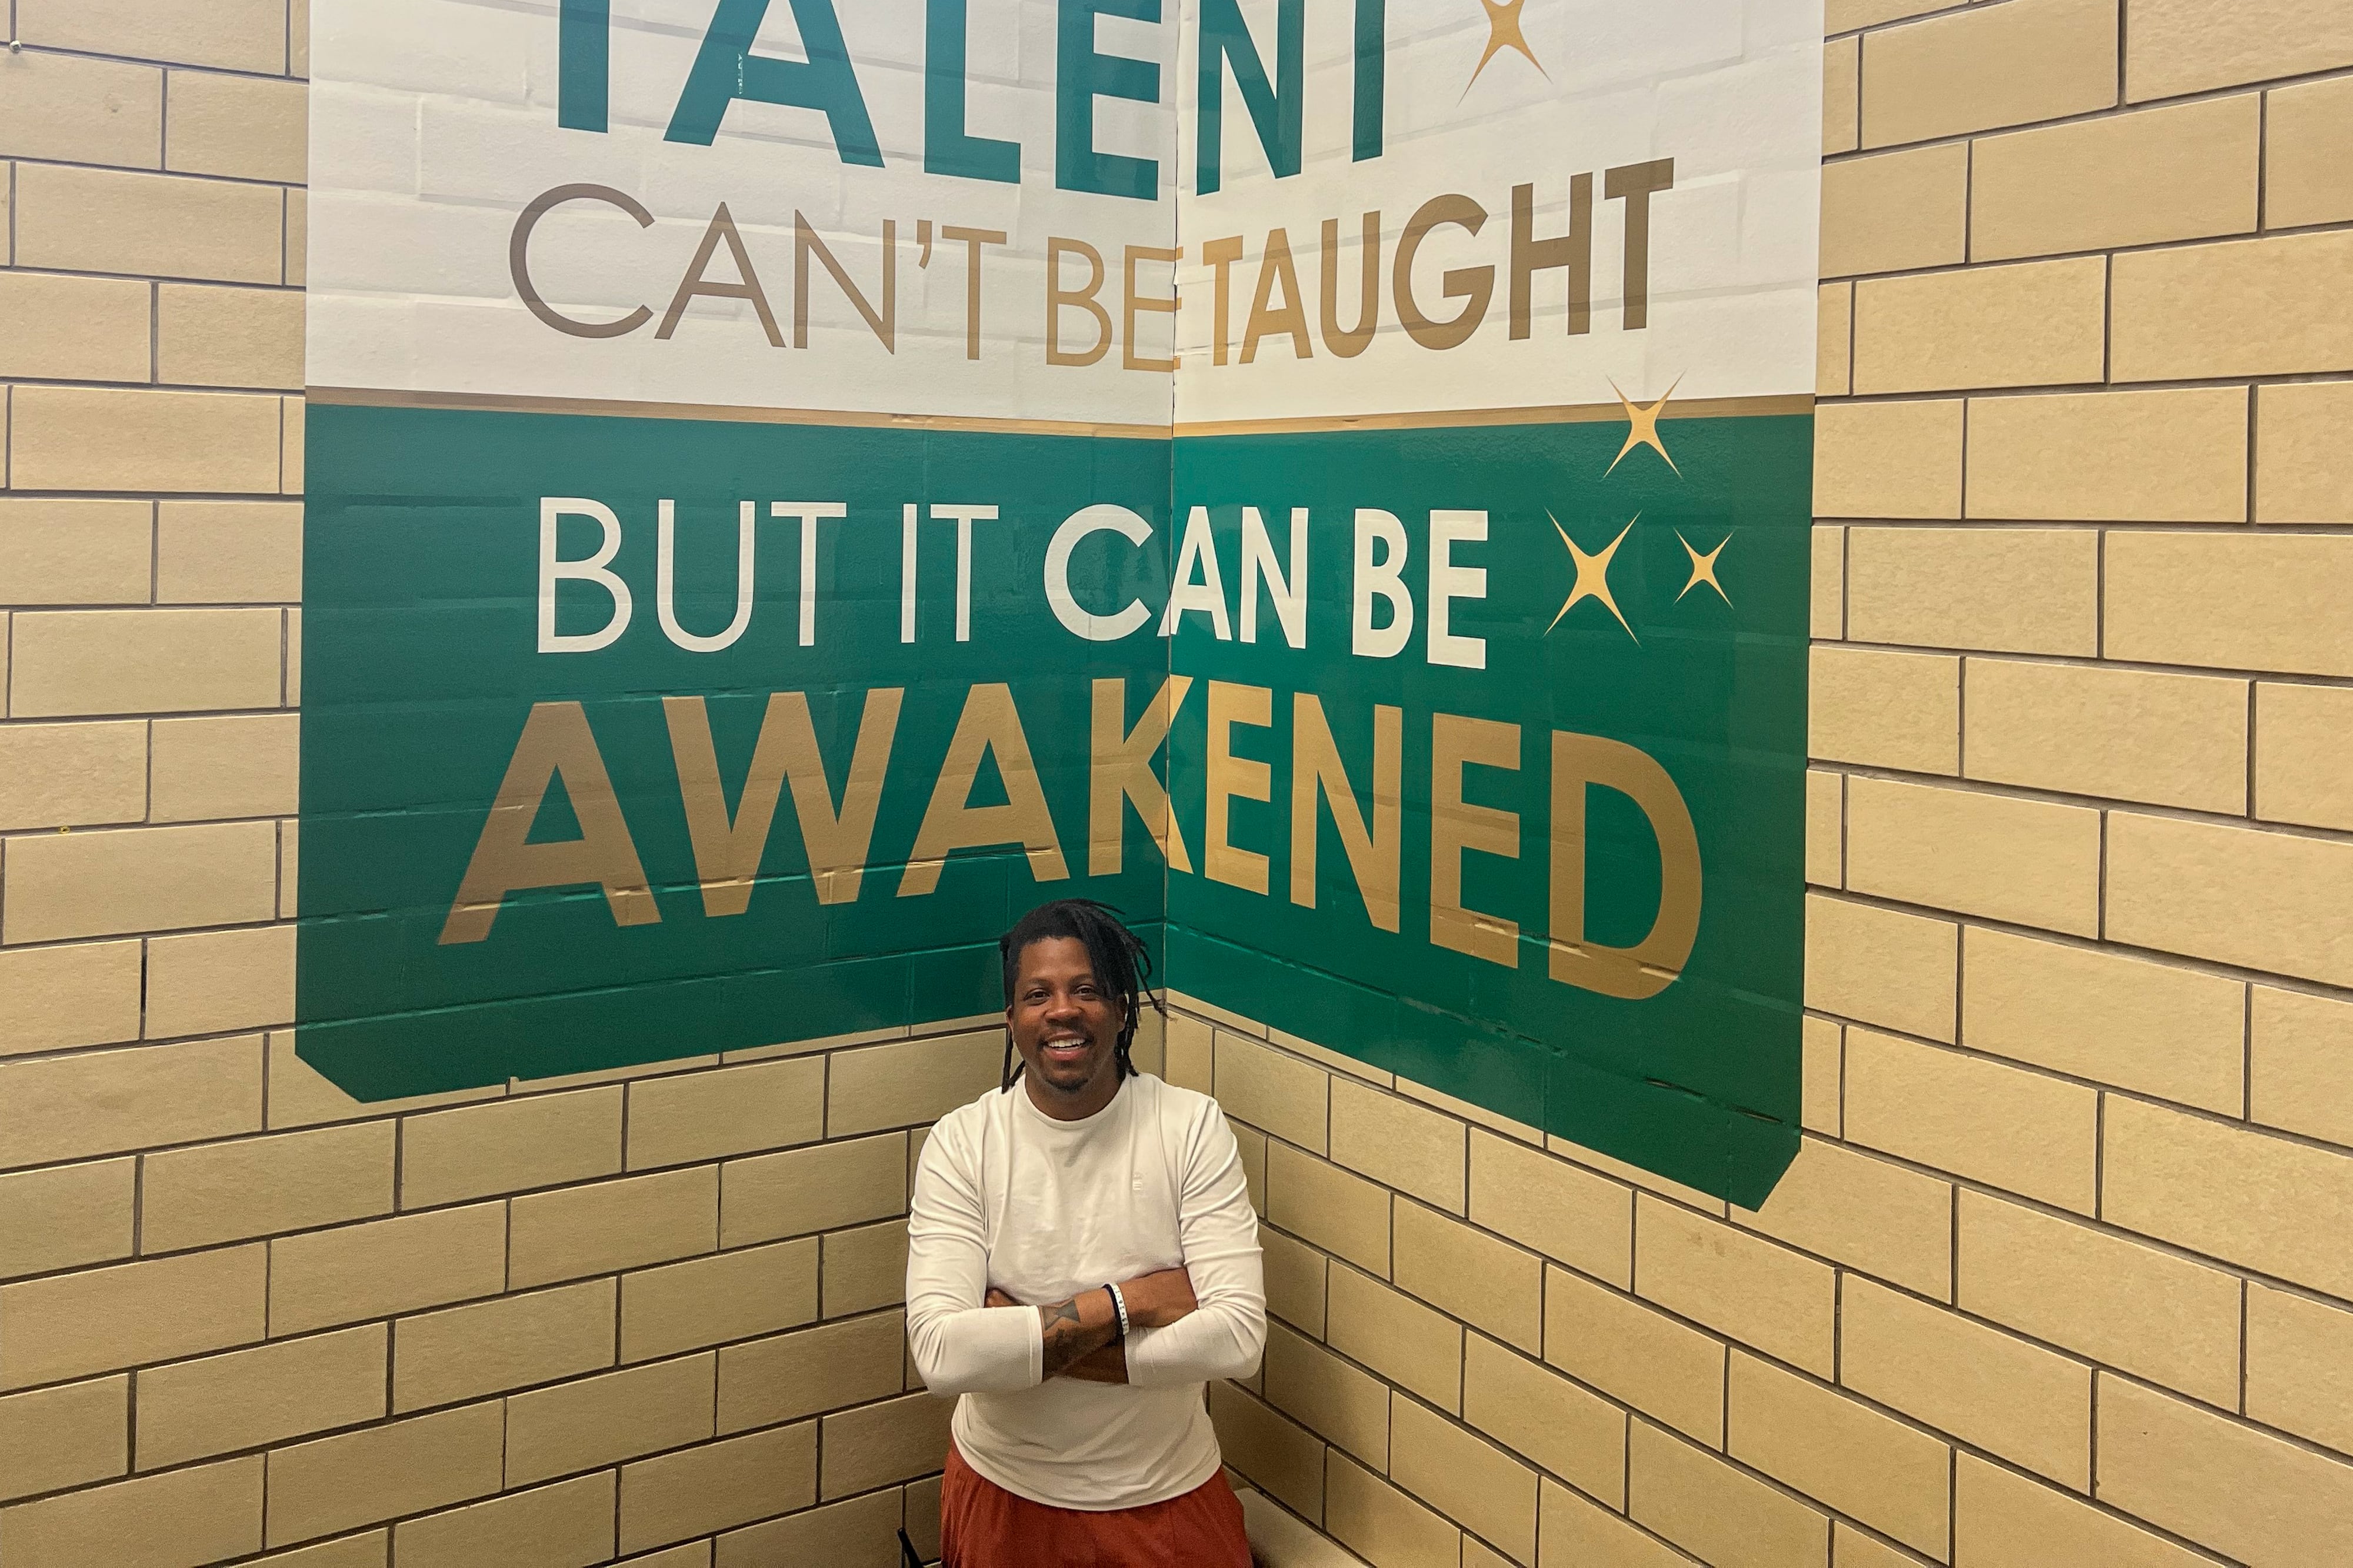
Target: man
{"x":1081,"y":1260}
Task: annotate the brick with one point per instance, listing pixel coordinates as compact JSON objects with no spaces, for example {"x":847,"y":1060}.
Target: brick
{"x":1342,"y":1213}
{"x":1470,"y":1480}
{"x":876,"y":1445}
{"x":2012,"y":1399}
{"x":385,"y":1267}
{"x":1396,"y":1336}
{"x":599,"y":1421}
{"x":1282,"y":1458}
{"x":208,"y":1515}
{"x":717,"y":1485}
{"x":2027,"y":861}
{"x":84,"y":438}
{"x":2105,"y":1298}
{"x":1273,"y":1092}
{"x":228,"y":552}
{"x":805,"y":1189}
{"x":244,"y":127}
{"x":72,"y":776}
{"x":2307,"y":149}
{"x":211,"y":980}
{"x":64,"y":1108}
{"x":611,"y":1225}
{"x":2096,"y":1014}
{"x":1822,"y":1046}
{"x":1464,"y":1110}
{"x":369,"y":1551}
{"x":1887,"y":459}
{"x":2008,"y":65}
{"x":72,"y":1325}
{"x":560,"y":1526}
{"x":264,"y":1186}
{"x":2039,"y":324}
{"x":709,"y":1301}
{"x":77,"y":109}
{"x":1470,"y":1275}
{"x":2001,"y":591}
{"x":1634,"y":1175}
{"x":1579,"y":1534}
{"x":2243,"y":1197}
{"x":2253,"y":896}
{"x":1896,"y":212}
{"x":1885,"y":709}
{"x":1190,"y":1053}
{"x":1339,"y":1402}
{"x":1294,"y":1280}
{"x":2178,"y":47}
{"x":2185,"y":172}
{"x":228,"y":337}
{"x":865,"y":1268}
{"x":859,"y":1533}
{"x":1399,"y":1144}
{"x":514,"y":1342}
{"x":511,"y":1146}
{"x":254,"y":1398}
{"x":73,"y":329}
{"x":1385,"y":1526}
{"x":55,"y":998}
{"x":2223,"y":310}
{"x":2002,"y":1519}
{"x":2256,"y":1497}
{"x":240,"y":35}
{"x":2130,"y":734}
{"x":1635,"y":1355}
{"x":2264,"y":602}
{"x":1842,"y":98}
{"x":59,"y":549}
{"x":734,"y":1110}
{"x":2128,"y":457}
{"x":105,"y":220}
{"x":1718,"y":1513}
{"x":1542,"y":1416}
{"x":1826,"y":612}
{"x":698,"y":1553}
{"x":299,"y":1097}
{"x":2302,"y":474}
{"x":2300,"y":1366}
{"x":1864,"y":1212}
{"x":1890,"y":1476}
{"x":2008,"y":1128}
{"x":1736,"y":1283}
{"x":909,"y":1085}
{"x":789,"y":1377}
{"x":74,"y":662}
{"x":1565,"y":1213}
{"x":64,"y":1436}
{"x":1249,"y":1146}
{"x":140,"y":879}
{"x":290,"y":429}
{"x":2301,"y":1066}
{"x":66,"y":1217}
{"x":335,"y":1484}
{"x":1880,"y":967}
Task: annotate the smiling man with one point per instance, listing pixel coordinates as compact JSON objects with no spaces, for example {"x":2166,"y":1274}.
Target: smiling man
{"x":1081,"y":1260}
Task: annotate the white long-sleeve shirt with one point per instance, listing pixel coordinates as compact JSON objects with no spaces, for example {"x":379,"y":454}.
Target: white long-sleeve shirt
{"x":1005,"y":1195}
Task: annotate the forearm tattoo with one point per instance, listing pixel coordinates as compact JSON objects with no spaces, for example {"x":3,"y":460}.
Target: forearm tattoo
{"x":1068,"y":1338}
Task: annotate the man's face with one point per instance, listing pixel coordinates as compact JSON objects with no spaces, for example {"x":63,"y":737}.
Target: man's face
{"x":1065,"y":1023}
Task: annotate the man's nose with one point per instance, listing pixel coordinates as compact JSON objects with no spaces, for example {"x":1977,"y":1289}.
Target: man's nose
{"x":1061,"y":1005}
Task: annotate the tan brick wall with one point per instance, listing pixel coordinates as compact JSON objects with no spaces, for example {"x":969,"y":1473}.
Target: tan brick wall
{"x":2061,"y":1275}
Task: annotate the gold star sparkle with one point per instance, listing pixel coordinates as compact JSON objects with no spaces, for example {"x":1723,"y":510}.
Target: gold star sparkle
{"x":1504,"y":33}
{"x":1592,"y":574}
{"x":1704,"y":568}
{"x":1642,"y":427}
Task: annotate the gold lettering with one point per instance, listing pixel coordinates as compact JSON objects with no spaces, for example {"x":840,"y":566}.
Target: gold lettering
{"x":1058,"y":299}
{"x":1267,"y":319}
{"x":1121,"y":771}
{"x":989,"y":723}
{"x":1457,"y":826}
{"x":1315,"y":767}
{"x":1229,"y":776}
{"x":1137,"y":304}
{"x":696,"y":283}
{"x":1573,"y":251}
{"x":555,"y":741}
{"x":1653,"y":964}
{"x":1219,"y":256}
{"x":1476,"y":285}
{"x":882,"y":323}
{"x":1635,"y":184}
{"x":973,"y":238}
{"x":727,"y":853}
{"x":1347,"y":342}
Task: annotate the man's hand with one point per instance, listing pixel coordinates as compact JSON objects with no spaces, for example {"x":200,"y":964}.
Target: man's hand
{"x":1156,"y":1300}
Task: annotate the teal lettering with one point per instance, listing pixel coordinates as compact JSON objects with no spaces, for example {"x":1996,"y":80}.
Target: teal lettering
{"x":583,"y":53}
{"x":726,"y":69}
{"x":946,"y":149}
{"x":1371,"y":76}
{"x":1081,"y":76}
{"x":1275,"y":109}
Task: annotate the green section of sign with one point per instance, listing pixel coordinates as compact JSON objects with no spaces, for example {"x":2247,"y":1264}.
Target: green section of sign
{"x":422,"y":670}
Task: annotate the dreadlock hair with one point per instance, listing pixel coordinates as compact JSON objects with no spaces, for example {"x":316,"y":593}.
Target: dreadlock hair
{"x":1122,"y":965}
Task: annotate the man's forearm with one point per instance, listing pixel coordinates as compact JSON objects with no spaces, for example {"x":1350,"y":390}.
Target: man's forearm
{"x":1075,"y":1329}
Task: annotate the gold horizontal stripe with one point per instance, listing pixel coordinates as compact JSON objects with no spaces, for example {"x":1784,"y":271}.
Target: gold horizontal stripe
{"x":724,"y":413}
{"x":1546,"y":414}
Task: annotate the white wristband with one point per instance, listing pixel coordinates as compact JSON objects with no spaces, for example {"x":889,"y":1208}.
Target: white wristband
{"x":1119,"y":1305}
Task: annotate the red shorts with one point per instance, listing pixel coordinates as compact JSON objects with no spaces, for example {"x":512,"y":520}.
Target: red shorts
{"x":982,"y":1525}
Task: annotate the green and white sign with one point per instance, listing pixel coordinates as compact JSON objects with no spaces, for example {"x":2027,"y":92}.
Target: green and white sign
{"x":794,"y":484}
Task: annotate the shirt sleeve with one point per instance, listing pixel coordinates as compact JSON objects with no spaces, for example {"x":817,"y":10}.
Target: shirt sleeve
{"x":1218,"y":1232}
{"x":961,"y":1346}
